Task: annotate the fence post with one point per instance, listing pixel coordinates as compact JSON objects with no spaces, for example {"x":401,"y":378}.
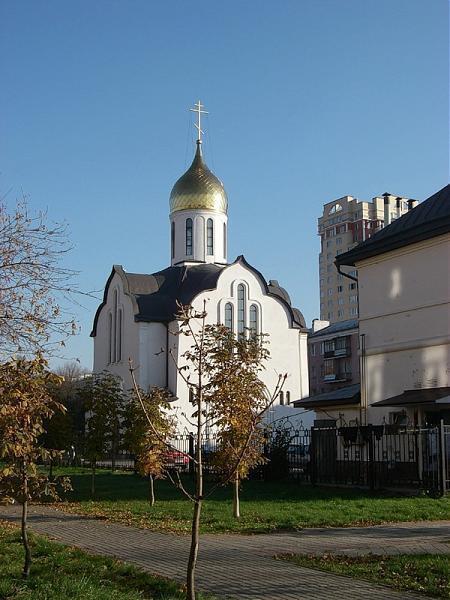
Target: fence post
{"x":191,"y":453}
{"x":371,"y":464}
{"x":442,"y":458}
{"x":312,"y":457}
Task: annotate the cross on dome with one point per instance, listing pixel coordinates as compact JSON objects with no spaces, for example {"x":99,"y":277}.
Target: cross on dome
{"x":198,"y":109}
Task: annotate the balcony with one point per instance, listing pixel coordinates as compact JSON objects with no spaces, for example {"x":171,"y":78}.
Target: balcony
{"x":336,"y":377}
{"x":338,"y":353}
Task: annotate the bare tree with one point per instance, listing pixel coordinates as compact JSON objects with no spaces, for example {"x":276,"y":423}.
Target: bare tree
{"x":35,"y":287}
{"x":200,"y":364}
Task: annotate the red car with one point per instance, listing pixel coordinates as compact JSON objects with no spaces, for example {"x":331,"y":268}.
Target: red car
{"x":174,"y":459}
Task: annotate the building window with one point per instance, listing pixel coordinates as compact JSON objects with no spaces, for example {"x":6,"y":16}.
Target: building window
{"x":330,"y":291}
{"x":254,"y":319}
{"x":312,"y":349}
{"x":339,"y":289}
{"x":172,"y":239}
{"x":116,"y":301}
{"x":353,"y":311}
{"x":340,"y":313}
{"x":338,"y":241}
{"x":328,"y":367}
{"x":189,"y":237}
{"x":322,"y":348}
{"x":119,"y":335}
{"x":229,"y":316}
{"x":352,"y":286}
{"x":341,"y":301}
{"x":209,"y":237}
{"x":224,"y":240}
{"x":329,"y":243}
{"x":241,"y":310}
{"x":353,"y":299}
{"x":110,"y":338}
{"x":329,"y":346}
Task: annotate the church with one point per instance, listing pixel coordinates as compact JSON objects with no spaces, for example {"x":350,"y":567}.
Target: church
{"x":137,"y":317}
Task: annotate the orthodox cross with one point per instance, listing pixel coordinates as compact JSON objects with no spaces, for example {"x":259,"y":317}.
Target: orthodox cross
{"x":198,"y":109}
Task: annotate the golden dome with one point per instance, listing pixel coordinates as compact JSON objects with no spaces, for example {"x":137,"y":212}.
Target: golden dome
{"x":198,"y":188}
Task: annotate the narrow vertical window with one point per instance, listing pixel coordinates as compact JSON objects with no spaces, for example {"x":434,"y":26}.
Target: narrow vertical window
{"x":116,"y":299}
{"x":281,"y":398}
{"x":119,"y":335}
{"x":110,"y":338}
{"x":189,"y":237}
{"x":288,"y":397}
{"x":229,"y":316}
{"x":172,"y":240}
{"x":209,"y":237}
{"x":224,"y":240}
{"x":254,"y":320}
{"x":241,"y":310}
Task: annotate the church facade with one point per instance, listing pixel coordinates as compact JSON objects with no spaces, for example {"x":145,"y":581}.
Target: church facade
{"x":137,"y":317}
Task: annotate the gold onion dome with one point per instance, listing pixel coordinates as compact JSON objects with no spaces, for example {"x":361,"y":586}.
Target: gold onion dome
{"x":198,"y":188}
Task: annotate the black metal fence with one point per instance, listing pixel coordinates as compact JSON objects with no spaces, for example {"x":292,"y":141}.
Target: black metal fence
{"x":382,"y":456}
{"x":372,"y":456}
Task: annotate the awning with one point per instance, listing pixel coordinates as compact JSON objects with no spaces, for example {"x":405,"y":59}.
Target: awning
{"x":351,"y":394}
{"x":425,"y":396}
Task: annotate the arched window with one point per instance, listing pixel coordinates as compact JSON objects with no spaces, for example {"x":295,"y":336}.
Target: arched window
{"x":119,"y":335}
{"x":224,"y":240}
{"x":189,"y":237}
{"x":241,"y":310}
{"x":110,"y":338}
{"x":254,"y":319}
{"x":209,"y":237}
{"x":229,"y":316}
{"x":172,"y":240}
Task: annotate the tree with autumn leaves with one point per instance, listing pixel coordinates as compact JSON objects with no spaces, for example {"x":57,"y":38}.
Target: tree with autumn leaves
{"x":27,"y":401}
{"x":147,"y":442}
{"x":222,"y":373}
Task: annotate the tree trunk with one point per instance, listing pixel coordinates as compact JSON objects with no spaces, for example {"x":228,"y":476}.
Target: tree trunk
{"x":236,"y":503}
{"x":93,"y":479}
{"x":193,"y":554}
{"x":151,"y":490}
{"x":26,"y":544}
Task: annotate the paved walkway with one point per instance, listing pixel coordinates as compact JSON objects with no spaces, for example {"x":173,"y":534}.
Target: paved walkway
{"x":236,"y":566}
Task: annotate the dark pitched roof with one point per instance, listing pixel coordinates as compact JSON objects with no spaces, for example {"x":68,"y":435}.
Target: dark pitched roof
{"x":336,"y":328}
{"x":156,"y":297}
{"x":351,"y":394}
{"x":428,"y":219}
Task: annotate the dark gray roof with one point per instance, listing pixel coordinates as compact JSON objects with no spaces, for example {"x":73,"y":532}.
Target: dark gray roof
{"x":336,"y":328}
{"x":428,"y":219}
{"x":351,"y":394}
{"x":414,"y":397}
{"x":156,"y":297}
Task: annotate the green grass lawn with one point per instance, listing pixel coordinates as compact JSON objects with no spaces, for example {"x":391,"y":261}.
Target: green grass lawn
{"x":59,"y":573}
{"x":420,"y":573}
{"x":265,"y":506}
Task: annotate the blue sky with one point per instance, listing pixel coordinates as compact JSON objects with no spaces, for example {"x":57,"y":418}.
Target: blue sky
{"x":309,"y":100}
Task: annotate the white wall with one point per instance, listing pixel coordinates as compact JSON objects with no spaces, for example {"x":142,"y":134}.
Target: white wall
{"x":287,"y":346}
{"x":130,"y":335}
{"x":405,"y":316}
{"x":199,"y":218}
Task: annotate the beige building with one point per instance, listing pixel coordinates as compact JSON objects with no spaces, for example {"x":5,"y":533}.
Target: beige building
{"x":404,"y":322}
{"x":346,"y":222}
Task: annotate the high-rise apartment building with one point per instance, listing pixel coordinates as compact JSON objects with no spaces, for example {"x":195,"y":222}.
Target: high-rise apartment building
{"x":344,"y":223}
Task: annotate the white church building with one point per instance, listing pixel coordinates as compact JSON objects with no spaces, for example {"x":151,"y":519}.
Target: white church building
{"x":137,"y":317}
